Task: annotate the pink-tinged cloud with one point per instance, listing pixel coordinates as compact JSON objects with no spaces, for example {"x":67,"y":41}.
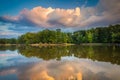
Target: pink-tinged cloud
{"x":45,"y":17}
{"x":104,"y":13}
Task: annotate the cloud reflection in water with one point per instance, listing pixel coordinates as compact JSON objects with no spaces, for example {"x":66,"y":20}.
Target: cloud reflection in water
{"x":65,"y":70}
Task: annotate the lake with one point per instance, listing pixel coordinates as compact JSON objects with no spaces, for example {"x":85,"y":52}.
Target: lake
{"x":60,"y":63}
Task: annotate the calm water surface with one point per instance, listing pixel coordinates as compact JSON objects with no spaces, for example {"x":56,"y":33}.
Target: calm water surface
{"x":60,"y":63}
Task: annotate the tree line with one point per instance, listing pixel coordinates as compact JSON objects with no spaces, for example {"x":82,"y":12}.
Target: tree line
{"x":110,"y":34}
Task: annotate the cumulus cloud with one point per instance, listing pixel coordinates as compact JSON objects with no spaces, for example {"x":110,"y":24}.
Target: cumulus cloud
{"x":104,"y":13}
{"x":45,"y":17}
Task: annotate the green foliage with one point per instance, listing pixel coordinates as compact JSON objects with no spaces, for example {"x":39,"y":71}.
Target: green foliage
{"x":8,"y":41}
{"x":109,"y":34}
{"x":45,"y":36}
{"x":99,"y":53}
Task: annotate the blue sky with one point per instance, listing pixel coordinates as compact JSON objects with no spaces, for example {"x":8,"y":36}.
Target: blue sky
{"x":21,"y":16}
{"x":13,"y":7}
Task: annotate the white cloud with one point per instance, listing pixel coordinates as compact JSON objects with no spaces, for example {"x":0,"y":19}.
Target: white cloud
{"x":5,"y":27}
{"x":46,"y":17}
{"x":104,"y":13}
{"x":5,"y":33}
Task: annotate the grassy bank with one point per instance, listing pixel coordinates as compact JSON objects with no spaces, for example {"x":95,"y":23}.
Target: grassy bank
{"x":41,"y":44}
{"x":46,"y":44}
{"x":62,"y":44}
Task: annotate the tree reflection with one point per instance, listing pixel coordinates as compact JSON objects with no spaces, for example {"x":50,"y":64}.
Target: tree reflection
{"x":11,"y":48}
{"x":99,"y":53}
{"x":95,"y":53}
{"x":45,"y":53}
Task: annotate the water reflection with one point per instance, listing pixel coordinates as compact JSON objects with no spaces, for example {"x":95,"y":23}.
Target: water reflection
{"x":11,"y":48}
{"x":61,"y":63}
{"x":100,"y":53}
{"x":64,"y":70}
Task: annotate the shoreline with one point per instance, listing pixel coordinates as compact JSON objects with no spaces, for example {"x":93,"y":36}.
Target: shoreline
{"x":100,"y":44}
{"x":41,"y":44}
{"x":63,"y":44}
{"x":46,"y":44}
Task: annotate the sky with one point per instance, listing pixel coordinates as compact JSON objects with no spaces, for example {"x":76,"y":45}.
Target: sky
{"x":21,"y":16}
